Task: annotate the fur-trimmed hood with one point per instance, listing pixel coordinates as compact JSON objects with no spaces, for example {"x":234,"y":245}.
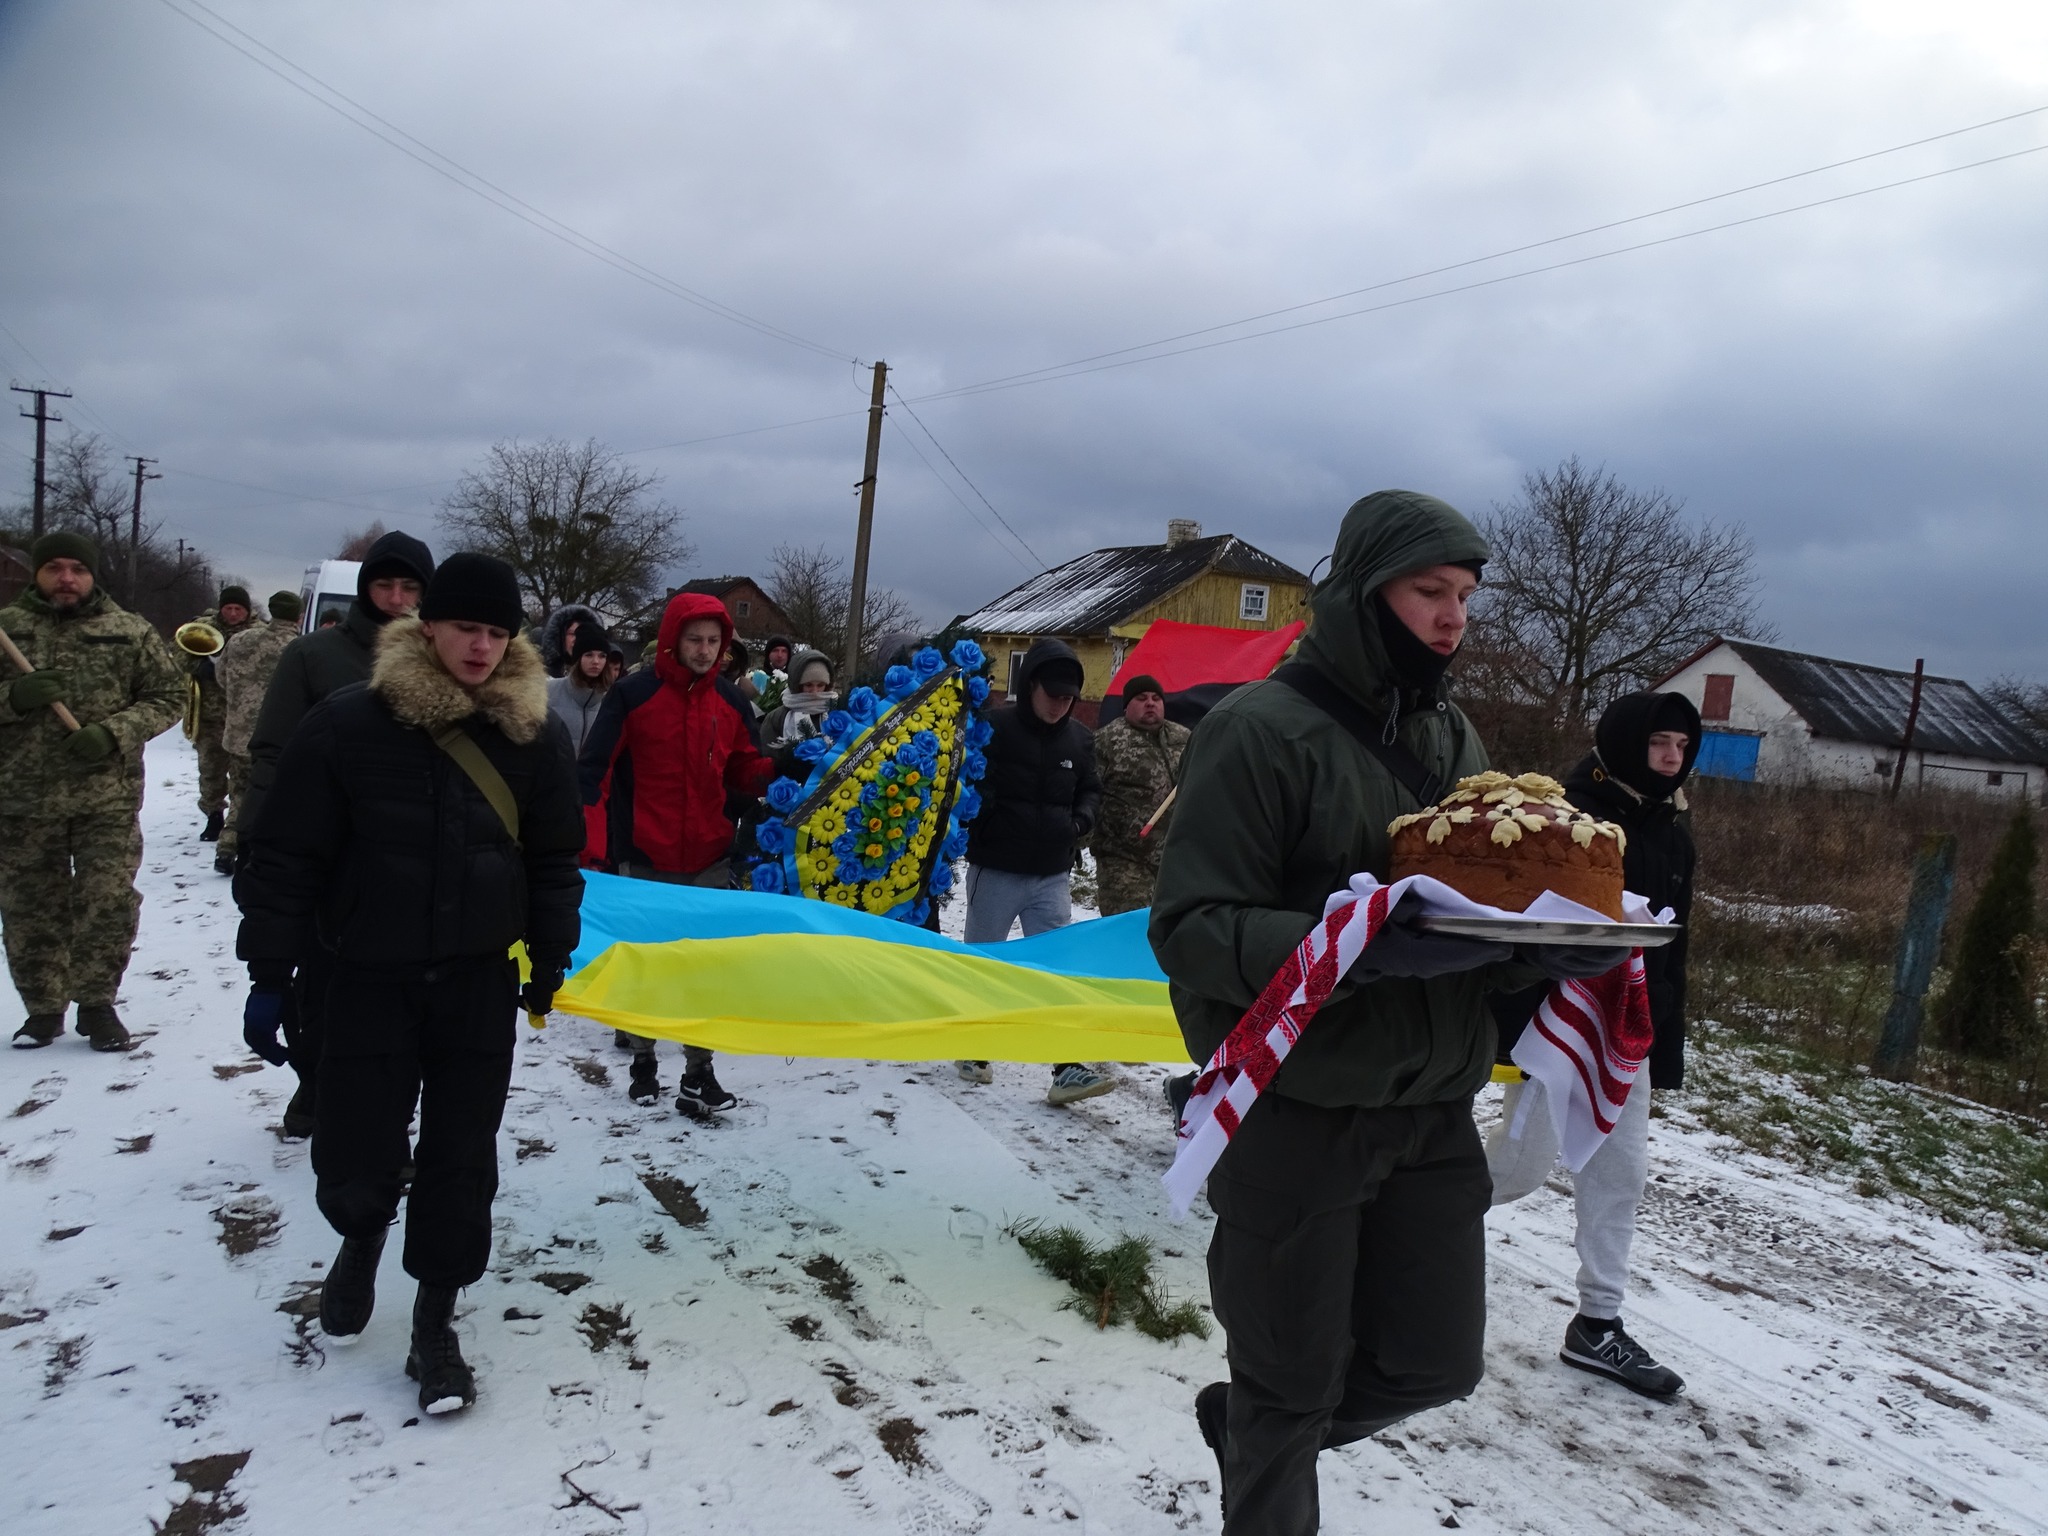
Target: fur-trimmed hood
{"x":409,"y":677}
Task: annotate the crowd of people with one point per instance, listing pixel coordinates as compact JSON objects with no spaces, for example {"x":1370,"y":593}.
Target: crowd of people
{"x":405,"y":795}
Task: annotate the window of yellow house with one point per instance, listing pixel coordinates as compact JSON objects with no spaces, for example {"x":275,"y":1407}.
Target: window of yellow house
{"x":1251,"y":602}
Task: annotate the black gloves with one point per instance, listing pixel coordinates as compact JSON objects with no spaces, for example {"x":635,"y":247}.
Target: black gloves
{"x":1399,"y":950}
{"x":36,"y":690}
{"x":262,"y":1017}
{"x":1571,"y":962}
{"x":203,"y":669}
{"x":537,"y":996}
{"x":1083,"y":825}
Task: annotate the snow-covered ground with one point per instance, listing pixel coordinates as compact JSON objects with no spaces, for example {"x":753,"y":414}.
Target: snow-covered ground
{"x":807,"y":1319}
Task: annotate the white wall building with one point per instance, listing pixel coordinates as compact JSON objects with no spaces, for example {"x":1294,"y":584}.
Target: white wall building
{"x":1782,"y":717}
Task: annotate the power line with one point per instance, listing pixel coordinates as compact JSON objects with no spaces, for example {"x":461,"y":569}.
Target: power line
{"x":346,"y":107}
{"x":965,"y":506}
{"x":1076,"y":370}
{"x":927,"y":431}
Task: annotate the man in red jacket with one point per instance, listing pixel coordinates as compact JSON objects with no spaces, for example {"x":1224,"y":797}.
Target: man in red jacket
{"x":669,"y":746}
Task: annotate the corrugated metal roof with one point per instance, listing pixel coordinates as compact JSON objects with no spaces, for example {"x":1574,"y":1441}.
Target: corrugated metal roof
{"x":1106,"y":587}
{"x":1848,"y":701}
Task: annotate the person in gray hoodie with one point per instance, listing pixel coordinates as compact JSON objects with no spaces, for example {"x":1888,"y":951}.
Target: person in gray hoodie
{"x":573,"y":698}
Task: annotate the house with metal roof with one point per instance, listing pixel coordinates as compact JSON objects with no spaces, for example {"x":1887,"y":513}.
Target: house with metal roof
{"x":1101,"y":603}
{"x":1776,"y":716}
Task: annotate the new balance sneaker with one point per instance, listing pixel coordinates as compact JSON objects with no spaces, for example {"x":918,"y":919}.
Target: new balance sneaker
{"x":447,"y":1384}
{"x":1602,"y":1346}
{"x":1073,"y":1083}
{"x":39,"y":1031}
{"x":700,"y":1096}
{"x":1212,"y":1417}
{"x":645,"y":1086}
{"x":978,"y":1073}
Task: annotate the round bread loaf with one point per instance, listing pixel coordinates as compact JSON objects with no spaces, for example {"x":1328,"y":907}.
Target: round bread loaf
{"x":1504,"y":842}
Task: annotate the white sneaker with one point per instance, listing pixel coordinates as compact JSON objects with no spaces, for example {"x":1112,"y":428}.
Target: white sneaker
{"x":976,"y":1072}
{"x":1072,"y":1084}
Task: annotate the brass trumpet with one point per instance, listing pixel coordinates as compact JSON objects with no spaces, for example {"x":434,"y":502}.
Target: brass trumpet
{"x":198,"y":638}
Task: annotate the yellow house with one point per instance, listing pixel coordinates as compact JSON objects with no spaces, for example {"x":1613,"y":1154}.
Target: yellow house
{"x":1102,"y":603}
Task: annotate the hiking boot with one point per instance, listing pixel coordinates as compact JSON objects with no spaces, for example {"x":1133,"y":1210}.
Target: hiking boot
{"x":298,"y":1113}
{"x":1073,"y":1083}
{"x":1212,"y":1417}
{"x":975,"y":1072}
{"x":102,"y":1027}
{"x":223,"y":863}
{"x":645,"y":1087}
{"x":210,"y":833}
{"x":435,"y":1361}
{"x":700,"y":1096}
{"x":1602,"y":1346}
{"x":349,"y":1293}
{"x":621,"y":1041}
{"x":1177,"y":1091}
{"x":39,"y":1031}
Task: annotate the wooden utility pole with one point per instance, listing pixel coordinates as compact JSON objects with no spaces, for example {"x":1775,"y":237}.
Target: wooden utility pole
{"x":42,"y":418}
{"x":135,"y":526}
{"x":857,"y":608}
{"x":1934,"y":881}
{"x":1912,"y":724}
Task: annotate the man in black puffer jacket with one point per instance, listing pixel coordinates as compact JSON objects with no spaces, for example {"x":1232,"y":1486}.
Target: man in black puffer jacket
{"x":1039,"y":799}
{"x":419,"y":826}
{"x":1644,"y":749}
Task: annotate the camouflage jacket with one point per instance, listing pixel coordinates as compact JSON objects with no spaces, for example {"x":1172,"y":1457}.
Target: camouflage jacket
{"x":118,"y":673}
{"x":205,"y":670}
{"x":244,"y":670}
{"x":1138,"y":768}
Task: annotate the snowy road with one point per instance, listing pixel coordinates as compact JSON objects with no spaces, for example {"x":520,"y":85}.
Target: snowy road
{"x":808,"y":1320}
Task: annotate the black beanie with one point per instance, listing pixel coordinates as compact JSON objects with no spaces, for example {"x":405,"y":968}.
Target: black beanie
{"x":590,"y":636}
{"x":1144,"y":682}
{"x":286,"y":606}
{"x":234,"y":594}
{"x":477,"y":589}
{"x":395,"y":554}
{"x":65,"y":546}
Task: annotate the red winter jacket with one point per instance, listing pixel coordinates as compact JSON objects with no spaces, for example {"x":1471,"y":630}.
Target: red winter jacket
{"x":666,"y":748}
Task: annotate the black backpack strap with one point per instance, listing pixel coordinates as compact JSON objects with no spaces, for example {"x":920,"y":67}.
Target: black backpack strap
{"x":1333,"y":701}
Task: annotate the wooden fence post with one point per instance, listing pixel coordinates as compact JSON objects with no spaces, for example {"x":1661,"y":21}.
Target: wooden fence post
{"x":1934,"y":881}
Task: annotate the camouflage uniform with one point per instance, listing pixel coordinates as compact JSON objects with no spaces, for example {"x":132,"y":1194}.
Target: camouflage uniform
{"x":243,"y":668}
{"x":1138,"y":769}
{"x":217,"y":767}
{"x":69,"y":839}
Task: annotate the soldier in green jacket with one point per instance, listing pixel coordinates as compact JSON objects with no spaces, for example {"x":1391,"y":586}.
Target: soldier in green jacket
{"x":219,"y":773}
{"x":245,"y":667}
{"x":1348,"y":1262}
{"x":1137,"y":755}
{"x":70,"y":840}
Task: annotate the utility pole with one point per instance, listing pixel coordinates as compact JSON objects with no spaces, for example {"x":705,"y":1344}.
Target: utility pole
{"x":857,"y":608}
{"x":1912,"y":724}
{"x":135,"y":526}
{"x":42,"y":418}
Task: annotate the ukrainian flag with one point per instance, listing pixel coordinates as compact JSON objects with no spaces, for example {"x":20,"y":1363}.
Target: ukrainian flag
{"x":781,"y":976}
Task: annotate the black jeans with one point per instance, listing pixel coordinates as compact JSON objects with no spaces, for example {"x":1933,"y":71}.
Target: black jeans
{"x":436,"y":1036}
{"x":1349,"y":1272}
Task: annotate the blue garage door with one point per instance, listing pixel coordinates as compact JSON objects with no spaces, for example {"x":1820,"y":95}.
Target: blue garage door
{"x":1725,"y":755}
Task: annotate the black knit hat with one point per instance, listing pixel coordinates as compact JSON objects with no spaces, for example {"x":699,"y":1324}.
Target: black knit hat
{"x":478,"y":589}
{"x":1144,"y":682}
{"x":395,"y":554}
{"x":235,"y":594}
{"x":64,"y":546}
{"x":286,"y":606}
{"x":590,"y":636}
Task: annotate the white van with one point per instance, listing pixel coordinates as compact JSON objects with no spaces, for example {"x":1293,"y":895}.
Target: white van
{"x":327,"y":590}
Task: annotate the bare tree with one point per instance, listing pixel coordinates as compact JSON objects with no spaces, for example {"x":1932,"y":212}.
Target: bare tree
{"x":357,"y":544}
{"x":811,"y":585}
{"x":573,"y":519}
{"x":1595,"y":589}
{"x":2023,"y":702}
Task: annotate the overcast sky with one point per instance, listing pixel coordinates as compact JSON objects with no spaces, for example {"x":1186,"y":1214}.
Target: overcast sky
{"x":239,"y":282}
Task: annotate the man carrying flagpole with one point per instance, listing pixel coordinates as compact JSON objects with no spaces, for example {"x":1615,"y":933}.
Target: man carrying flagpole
{"x":1348,"y":1262}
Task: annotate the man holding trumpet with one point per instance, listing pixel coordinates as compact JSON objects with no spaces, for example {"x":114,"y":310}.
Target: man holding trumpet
{"x":84,"y":685}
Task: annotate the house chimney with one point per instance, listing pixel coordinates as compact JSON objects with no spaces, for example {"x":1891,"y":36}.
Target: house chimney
{"x":1181,"y":530}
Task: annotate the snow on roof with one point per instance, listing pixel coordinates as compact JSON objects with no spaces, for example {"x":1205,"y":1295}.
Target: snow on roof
{"x":1849,"y":701}
{"x":1106,"y":587}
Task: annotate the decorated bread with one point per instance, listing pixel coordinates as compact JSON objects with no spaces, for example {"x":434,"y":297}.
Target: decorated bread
{"x":1504,"y":842}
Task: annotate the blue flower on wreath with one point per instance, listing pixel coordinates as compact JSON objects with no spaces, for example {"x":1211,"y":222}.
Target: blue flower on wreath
{"x":774,"y":838}
{"x":942,"y":879}
{"x":810,"y":750}
{"x":848,"y":873}
{"x":768,"y":876}
{"x":863,"y":706}
{"x":927,"y":664}
{"x":974,"y":764}
{"x":980,"y":733}
{"x":839,"y":722}
{"x":967,"y":656}
{"x":784,"y":796}
{"x":845,"y":846}
{"x":953,"y":848}
{"x":968,"y":805}
{"x":977,"y":691}
{"x":928,"y":745}
{"x":899,"y":683}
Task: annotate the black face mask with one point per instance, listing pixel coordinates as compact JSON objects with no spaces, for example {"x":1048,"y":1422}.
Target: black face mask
{"x":1417,"y":667}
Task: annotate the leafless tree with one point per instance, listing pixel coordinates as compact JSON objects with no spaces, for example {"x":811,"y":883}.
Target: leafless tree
{"x":357,"y":544}
{"x":573,"y":519}
{"x":1595,"y":588}
{"x":811,"y":585}
{"x":2022,"y":702}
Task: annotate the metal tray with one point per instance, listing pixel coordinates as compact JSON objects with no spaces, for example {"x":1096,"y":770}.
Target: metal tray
{"x":1524,"y":930}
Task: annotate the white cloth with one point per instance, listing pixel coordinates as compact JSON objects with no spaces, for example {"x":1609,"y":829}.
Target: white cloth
{"x":1606,"y":1191}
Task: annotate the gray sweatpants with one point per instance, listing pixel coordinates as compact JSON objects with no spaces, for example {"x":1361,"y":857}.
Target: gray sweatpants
{"x":1523,"y":1149}
{"x":996,"y":899}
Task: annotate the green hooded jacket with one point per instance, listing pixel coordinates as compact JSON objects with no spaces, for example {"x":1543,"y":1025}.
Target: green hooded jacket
{"x":1279,"y":806}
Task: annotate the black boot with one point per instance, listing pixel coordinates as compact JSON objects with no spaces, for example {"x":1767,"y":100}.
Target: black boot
{"x":349,"y":1293}
{"x":102,"y":1027}
{"x":1212,"y":1415}
{"x":39,"y":1031}
{"x":210,"y":833}
{"x":446,"y":1381}
{"x":645,"y":1087}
